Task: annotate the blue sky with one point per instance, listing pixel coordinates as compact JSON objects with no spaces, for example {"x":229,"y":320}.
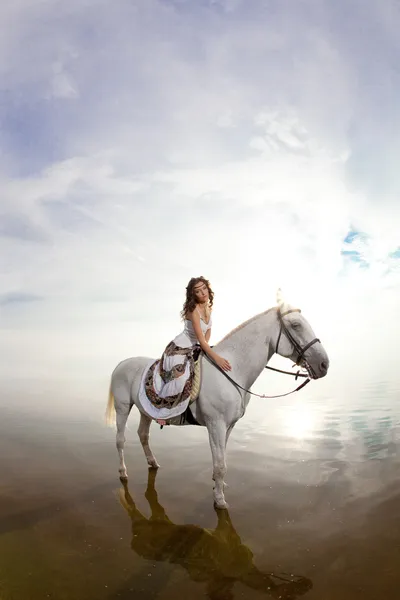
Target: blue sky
{"x":143,"y":143}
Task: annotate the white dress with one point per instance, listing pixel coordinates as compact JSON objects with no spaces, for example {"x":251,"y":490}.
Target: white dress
{"x":188,"y":337}
{"x":165,"y":380}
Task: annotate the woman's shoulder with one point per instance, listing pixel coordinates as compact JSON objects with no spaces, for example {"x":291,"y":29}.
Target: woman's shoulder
{"x":191,"y":314}
{"x":188,"y":321}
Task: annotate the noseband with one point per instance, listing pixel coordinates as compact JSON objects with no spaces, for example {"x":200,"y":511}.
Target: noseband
{"x":300,"y":351}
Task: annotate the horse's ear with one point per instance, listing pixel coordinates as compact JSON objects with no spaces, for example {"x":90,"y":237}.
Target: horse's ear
{"x":279,"y":297}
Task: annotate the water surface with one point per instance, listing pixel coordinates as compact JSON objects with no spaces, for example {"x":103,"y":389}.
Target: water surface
{"x":314,"y":494}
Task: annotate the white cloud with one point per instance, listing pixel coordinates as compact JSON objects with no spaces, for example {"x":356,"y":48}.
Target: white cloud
{"x":62,"y":85}
{"x":198,"y":141}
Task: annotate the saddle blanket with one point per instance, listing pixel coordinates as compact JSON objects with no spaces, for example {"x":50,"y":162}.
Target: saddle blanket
{"x":171,"y":383}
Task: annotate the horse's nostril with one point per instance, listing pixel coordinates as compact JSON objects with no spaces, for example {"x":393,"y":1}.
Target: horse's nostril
{"x":324,"y":365}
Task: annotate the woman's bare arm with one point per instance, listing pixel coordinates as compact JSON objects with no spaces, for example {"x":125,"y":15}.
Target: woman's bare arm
{"x":221,"y":362}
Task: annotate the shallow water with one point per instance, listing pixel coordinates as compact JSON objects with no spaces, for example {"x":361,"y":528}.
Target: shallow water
{"x":314,"y":493}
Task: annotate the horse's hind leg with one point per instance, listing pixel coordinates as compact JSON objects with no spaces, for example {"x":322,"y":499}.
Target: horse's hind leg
{"x":122,"y":417}
{"x":143,"y":433}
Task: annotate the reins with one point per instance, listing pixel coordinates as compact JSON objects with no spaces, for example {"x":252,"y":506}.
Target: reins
{"x":298,"y":374}
{"x":298,"y":348}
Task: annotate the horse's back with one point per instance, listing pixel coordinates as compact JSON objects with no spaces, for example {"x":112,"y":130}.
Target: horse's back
{"x":129,"y":370}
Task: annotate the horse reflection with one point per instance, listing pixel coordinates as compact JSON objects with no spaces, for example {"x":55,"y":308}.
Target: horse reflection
{"x":216,"y":557}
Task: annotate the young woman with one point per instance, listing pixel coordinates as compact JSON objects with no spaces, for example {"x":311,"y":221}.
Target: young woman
{"x":196,"y":314}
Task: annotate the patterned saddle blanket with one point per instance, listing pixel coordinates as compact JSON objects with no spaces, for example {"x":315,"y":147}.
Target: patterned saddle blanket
{"x":173,"y":381}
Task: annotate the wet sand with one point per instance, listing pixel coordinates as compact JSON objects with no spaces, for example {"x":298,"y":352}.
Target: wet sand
{"x":314,"y":516}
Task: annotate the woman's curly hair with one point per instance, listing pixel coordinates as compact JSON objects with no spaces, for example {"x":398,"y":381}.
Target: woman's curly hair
{"x":190,"y":302}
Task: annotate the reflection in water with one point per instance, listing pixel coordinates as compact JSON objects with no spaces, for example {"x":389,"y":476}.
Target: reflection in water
{"x":215,"y":557}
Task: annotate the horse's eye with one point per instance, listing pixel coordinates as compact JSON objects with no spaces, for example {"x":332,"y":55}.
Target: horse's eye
{"x":296,"y":325}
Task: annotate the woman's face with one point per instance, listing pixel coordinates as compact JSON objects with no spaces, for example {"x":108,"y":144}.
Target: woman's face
{"x":201,"y":292}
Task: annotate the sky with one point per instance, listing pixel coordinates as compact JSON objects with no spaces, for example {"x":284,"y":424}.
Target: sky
{"x":145,"y":142}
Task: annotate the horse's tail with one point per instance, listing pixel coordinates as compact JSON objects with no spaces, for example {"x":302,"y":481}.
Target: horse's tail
{"x":110,"y":410}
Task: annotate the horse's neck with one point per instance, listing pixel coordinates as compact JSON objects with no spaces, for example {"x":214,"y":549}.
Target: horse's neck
{"x":250,"y":347}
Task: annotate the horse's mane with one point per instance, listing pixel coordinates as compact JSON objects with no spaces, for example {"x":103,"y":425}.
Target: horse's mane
{"x":239,"y":327}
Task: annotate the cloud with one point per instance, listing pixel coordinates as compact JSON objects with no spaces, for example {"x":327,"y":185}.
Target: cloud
{"x":62,"y":84}
{"x":21,"y":228}
{"x":147,"y":142}
{"x":13,"y":298}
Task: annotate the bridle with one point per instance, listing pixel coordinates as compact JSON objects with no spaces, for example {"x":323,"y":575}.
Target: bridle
{"x":300,"y":354}
{"x":300,"y":351}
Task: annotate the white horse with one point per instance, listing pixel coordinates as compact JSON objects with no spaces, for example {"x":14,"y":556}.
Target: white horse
{"x":221,"y":403}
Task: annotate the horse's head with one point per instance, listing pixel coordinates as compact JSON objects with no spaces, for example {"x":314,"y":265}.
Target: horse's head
{"x":297,"y":341}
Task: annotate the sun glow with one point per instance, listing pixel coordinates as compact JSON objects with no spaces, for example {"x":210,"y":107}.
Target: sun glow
{"x":300,"y":421}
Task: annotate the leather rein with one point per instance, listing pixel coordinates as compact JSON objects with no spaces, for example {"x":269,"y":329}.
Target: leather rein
{"x":300,"y":353}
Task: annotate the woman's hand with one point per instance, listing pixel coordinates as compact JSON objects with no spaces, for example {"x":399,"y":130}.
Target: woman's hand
{"x":223,"y":363}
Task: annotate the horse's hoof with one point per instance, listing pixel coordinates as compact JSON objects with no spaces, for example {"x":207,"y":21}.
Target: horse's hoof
{"x":153,"y":464}
{"x":221,"y":505}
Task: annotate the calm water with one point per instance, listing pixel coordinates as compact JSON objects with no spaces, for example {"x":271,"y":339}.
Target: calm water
{"x":314,"y":505}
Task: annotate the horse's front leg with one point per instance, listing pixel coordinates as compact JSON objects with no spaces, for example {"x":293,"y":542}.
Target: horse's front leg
{"x":217,"y":436}
{"x":228,"y":433}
